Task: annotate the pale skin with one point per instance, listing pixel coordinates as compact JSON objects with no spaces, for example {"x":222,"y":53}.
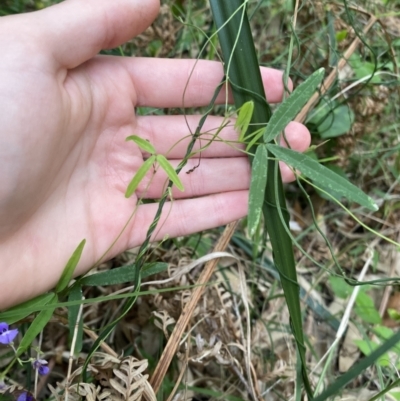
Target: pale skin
{"x":65,"y":164}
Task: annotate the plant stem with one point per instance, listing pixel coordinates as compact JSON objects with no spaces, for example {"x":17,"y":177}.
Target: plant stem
{"x":243,"y":74}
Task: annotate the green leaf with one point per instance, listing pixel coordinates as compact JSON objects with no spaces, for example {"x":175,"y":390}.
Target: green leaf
{"x":245,"y":113}
{"x":143,"y":169}
{"x":153,"y":268}
{"x":363,"y":68}
{"x":358,"y":368}
{"x":367,"y":346}
{"x":384,"y":333}
{"x":332,"y":121}
{"x":167,"y":167}
{"x":340,"y":288}
{"x":142,"y":143}
{"x":291,"y":106}
{"x":73,"y":314}
{"x":121,"y":275}
{"x":365,"y":309}
{"x":258,"y":183}
{"x":201,"y":244}
{"x":70,"y":268}
{"x":322,"y":176}
{"x":37,"y":326}
{"x":256,"y":135}
{"x":341,"y":35}
{"x":242,"y":68}
{"x":324,"y":191}
{"x":393,"y":314}
{"x":23,"y":310}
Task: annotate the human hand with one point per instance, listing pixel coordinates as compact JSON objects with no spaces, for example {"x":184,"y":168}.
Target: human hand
{"x":65,"y":114}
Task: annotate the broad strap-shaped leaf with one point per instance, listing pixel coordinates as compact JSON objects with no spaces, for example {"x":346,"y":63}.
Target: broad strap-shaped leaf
{"x":171,"y":173}
{"x":143,"y":169}
{"x":142,"y":143}
{"x":258,"y":183}
{"x":121,"y":275}
{"x":322,"y":176}
{"x":292,"y":105}
{"x":70,"y":268}
{"x":37,"y":325}
{"x":245,"y":113}
{"x":242,"y":68}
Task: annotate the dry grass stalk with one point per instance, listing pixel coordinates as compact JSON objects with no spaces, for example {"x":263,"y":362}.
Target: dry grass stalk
{"x":333,"y":74}
{"x":173,"y":343}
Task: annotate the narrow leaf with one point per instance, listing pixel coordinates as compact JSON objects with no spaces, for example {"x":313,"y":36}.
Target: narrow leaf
{"x":245,"y":113}
{"x":143,"y":169}
{"x":70,"y":268}
{"x":257,"y":187}
{"x":242,"y":68}
{"x":256,"y":135}
{"x":358,"y":368}
{"x":37,"y":326}
{"x":167,"y":167}
{"x":153,"y":268}
{"x":291,"y":106}
{"x":23,"y":310}
{"x":142,"y":143}
{"x":322,"y":176}
{"x":73,"y":314}
{"x":121,"y":275}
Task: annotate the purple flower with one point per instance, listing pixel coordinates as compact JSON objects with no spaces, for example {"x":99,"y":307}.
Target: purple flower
{"x":25,"y":396}
{"x":6,"y":335}
{"x":40,"y":366}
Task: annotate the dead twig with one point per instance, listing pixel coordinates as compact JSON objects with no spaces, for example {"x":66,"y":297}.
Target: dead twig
{"x":333,"y":74}
{"x":173,"y":342}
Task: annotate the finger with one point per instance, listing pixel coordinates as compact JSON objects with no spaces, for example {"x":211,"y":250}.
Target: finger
{"x":185,"y":217}
{"x":204,"y":177}
{"x":298,"y":137}
{"x":210,"y":176}
{"x":171,"y":136}
{"x":76,"y":30}
{"x":187,"y":83}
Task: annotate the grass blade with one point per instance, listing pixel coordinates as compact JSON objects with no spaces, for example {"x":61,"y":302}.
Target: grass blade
{"x":358,"y":369}
{"x":121,"y":275}
{"x":23,"y":310}
{"x":243,"y":72}
{"x":70,"y":268}
{"x":37,"y":326}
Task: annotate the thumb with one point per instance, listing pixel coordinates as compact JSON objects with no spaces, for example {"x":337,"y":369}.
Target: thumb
{"x":76,"y":30}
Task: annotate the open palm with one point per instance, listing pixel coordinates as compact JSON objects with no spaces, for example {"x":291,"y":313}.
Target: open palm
{"x":65,"y":114}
